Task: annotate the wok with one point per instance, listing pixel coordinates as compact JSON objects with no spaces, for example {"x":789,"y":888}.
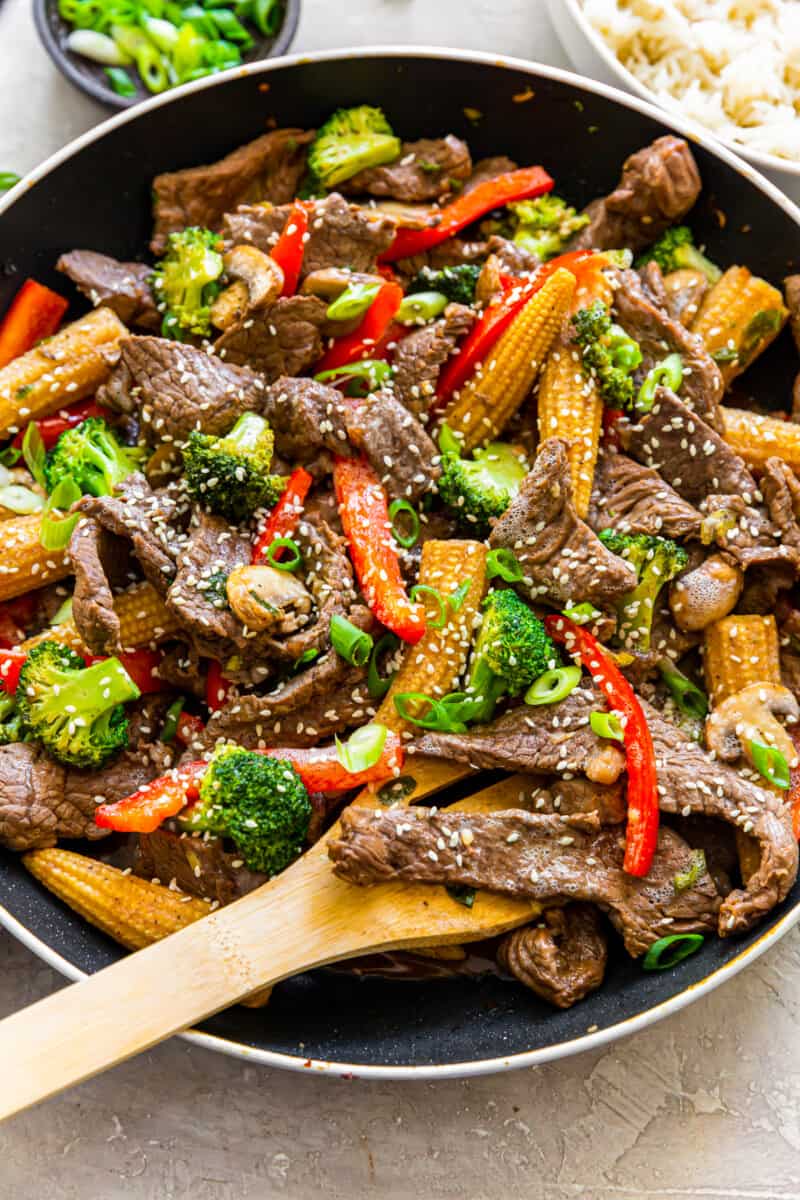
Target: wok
{"x":95,"y":193}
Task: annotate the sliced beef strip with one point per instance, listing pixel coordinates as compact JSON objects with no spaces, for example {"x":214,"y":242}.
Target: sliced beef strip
{"x":568,"y":797}
{"x":306,"y":417}
{"x":451,"y":253}
{"x":780,"y":488}
{"x":511,"y":258}
{"x":284,"y":339}
{"x":269,"y":168}
{"x":199,"y":866}
{"x":658,"y":335}
{"x":487,"y":169}
{"x":635,"y":499}
{"x":420,"y":356}
{"x":545,"y":740}
{"x":659,"y":185}
{"x":41,"y":801}
{"x":755,"y":541}
{"x":687,"y":453}
{"x":153,"y":521}
{"x":561,"y":957}
{"x":124,"y":287}
{"x":551,"y":857}
{"x":175,"y":388}
{"x":563,"y":559}
{"x":339,"y":234}
{"x":93,"y":551}
{"x":398,"y":448}
{"x":425,"y":170}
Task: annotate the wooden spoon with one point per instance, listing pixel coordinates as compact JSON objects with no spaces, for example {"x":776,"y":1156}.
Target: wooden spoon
{"x":303,"y":918}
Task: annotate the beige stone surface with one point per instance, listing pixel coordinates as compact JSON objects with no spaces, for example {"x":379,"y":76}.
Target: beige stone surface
{"x":704,"y":1106}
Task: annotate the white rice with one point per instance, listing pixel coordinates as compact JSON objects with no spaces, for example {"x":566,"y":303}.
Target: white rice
{"x":733,"y":65}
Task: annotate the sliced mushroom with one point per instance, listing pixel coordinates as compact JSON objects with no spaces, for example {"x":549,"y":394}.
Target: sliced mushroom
{"x":751,"y":715}
{"x":263,"y":276}
{"x":230,"y":305}
{"x":489,"y":285}
{"x":330,"y":282}
{"x":706,"y":594}
{"x":685,"y":291}
{"x":606,"y":764}
{"x":408,"y":215}
{"x":263,"y":597}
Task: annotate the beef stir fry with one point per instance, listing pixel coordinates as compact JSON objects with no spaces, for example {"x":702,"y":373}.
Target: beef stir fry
{"x":394,"y":466}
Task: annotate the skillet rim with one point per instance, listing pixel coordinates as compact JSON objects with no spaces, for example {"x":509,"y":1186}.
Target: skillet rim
{"x":617,"y":1030}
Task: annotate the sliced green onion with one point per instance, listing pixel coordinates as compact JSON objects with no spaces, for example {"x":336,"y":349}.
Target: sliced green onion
{"x":625,"y":352}
{"x":448,"y":442}
{"x":267,"y":16}
{"x":10,"y":456}
{"x":607,"y":725}
{"x":684,"y":880}
{"x":171,"y":718}
{"x":305,"y":658}
{"x":583,"y":614}
{"x":163,"y":33}
{"x":553,"y":686}
{"x":505,"y":564}
{"x":63,"y":612}
{"x":284,"y":564}
{"x":420,"y":307}
{"x":120,"y":81}
{"x":34,"y":453}
{"x":19,"y":499}
{"x":202,"y":21}
{"x":378,"y":685}
{"x":770,"y":763}
{"x":422,"y":589}
{"x":99,"y":47}
{"x":188,"y":52}
{"x":409,"y":539}
{"x":669,"y":372}
{"x":669,"y":951}
{"x":8,"y":179}
{"x":459,"y":595}
{"x":353,"y":301}
{"x":230,"y":27}
{"x":56,"y":532}
{"x":461,"y":893}
{"x":363,"y":748}
{"x":149,"y":61}
{"x":362,"y":377}
{"x":427,"y":713}
{"x":351,"y":642}
{"x":688,"y":697}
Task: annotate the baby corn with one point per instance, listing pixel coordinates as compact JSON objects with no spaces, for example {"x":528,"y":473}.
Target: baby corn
{"x":739,"y":651}
{"x":25,"y":563}
{"x":143,"y":619}
{"x":738,"y":319}
{"x":755,"y":438}
{"x":493,"y":394}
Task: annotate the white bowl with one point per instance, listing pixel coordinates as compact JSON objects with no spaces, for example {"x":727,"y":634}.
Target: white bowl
{"x":592,"y":56}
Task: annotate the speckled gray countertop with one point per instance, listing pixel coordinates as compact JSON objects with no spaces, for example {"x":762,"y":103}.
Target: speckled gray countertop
{"x":705,"y":1106}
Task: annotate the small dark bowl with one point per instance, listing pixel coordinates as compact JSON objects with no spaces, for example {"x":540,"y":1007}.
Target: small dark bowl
{"x":90,"y":76}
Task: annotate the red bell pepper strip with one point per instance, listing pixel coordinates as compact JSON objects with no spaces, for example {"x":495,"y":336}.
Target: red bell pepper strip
{"x":189,"y":727}
{"x":51,"y":428}
{"x":283,"y":519}
{"x":35,"y":313}
{"x":290,"y":247}
{"x":793,"y":797}
{"x":365,"y":519}
{"x":641,"y":834}
{"x":152,"y":804}
{"x":611,"y":420}
{"x":320,"y":769}
{"x":371,"y":334}
{"x":11,"y":663}
{"x":217,"y":687}
{"x":140,"y":664}
{"x":524,"y":184}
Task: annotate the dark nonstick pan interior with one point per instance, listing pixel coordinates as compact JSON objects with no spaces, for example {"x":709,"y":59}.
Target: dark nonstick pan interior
{"x":98,"y":197}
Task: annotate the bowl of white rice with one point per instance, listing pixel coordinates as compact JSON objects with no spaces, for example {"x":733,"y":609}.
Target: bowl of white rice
{"x":732,"y":66}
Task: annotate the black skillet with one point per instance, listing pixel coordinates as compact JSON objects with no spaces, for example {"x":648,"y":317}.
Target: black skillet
{"x":95,"y":194}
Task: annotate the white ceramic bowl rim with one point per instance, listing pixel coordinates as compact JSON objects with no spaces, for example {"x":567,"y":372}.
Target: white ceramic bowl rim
{"x":600,"y":1037}
{"x":771,"y":162}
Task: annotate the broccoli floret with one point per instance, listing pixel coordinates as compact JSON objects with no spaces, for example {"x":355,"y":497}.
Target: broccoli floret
{"x":511,"y":650}
{"x":12,"y":728}
{"x":186,"y":282}
{"x":544,"y":226}
{"x":75,"y":711}
{"x":656,"y":561}
{"x":675,"y":250}
{"x":457,"y":283}
{"x":481,"y":487}
{"x":93,"y":456}
{"x":350,"y":141}
{"x":230,"y":475}
{"x":258,"y":802}
{"x":608,"y":353}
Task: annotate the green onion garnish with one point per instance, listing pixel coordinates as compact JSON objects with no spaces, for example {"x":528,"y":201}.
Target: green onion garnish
{"x":361,"y":378}
{"x":34,"y":453}
{"x":505,"y":564}
{"x":771,"y":764}
{"x":422,"y":589}
{"x":63,"y":613}
{"x":440,"y":715}
{"x":377,"y":684}
{"x":582,"y":614}
{"x":669,"y":951}
{"x":459,"y":595}
{"x":19,"y":499}
{"x":171,"y":718}
{"x":120,"y":81}
{"x":688,"y":696}
{"x":421,"y":307}
{"x":353,"y":301}
{"x":553,"y":686}
{"x":284,"y":564}
{"x":607,"y":725}
{"x":55,"y":533}
{"x":669,"y":371}
{"x":351,"y":642}
{"x":266,"y":16}
{"x":362,"y":749}
{"x":409,"y":538}
{"x":461,"y":893}
{"x":688,"y":878}
{"x":8,"y":179}
{"x":448,"y":442}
